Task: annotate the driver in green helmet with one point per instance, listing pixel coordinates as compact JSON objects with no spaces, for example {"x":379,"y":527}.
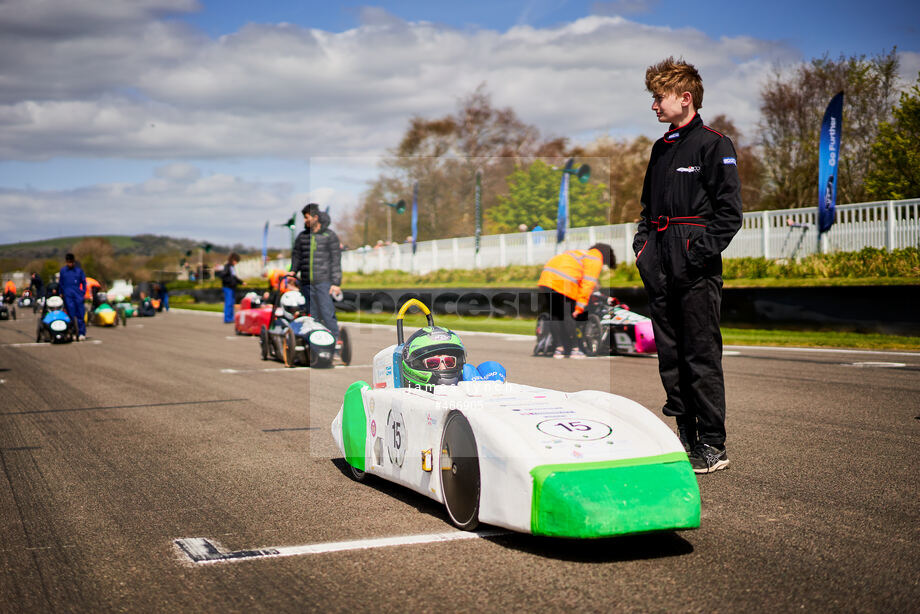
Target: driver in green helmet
{"x":432,"y":356}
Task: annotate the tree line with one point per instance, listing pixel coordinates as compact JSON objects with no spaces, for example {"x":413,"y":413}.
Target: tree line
{"x":519,"y":167}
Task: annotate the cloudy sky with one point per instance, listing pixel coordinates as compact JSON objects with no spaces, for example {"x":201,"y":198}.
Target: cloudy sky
{"x":206,"y":118}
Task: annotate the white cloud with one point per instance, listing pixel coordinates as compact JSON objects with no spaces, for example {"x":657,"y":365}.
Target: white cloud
{"x":154,"y":89}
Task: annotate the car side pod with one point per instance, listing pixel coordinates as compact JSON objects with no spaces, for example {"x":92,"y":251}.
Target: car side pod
{"x":606,"y":498}
{"x":354,"y":428}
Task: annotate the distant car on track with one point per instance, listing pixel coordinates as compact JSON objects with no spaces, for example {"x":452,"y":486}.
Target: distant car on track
{"x":252,"y":315}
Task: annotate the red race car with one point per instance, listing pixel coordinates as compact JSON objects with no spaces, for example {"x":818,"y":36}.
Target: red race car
{"x":252,"y":315}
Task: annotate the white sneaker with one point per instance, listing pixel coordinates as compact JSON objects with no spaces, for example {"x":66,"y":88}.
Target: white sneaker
{"x":577,"y":353}
{"x":81,"y":338}
{"x":558,"y":354}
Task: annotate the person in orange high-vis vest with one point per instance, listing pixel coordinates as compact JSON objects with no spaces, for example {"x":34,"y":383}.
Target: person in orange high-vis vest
{"x":569,"y":279}
{"x":9,"y":291}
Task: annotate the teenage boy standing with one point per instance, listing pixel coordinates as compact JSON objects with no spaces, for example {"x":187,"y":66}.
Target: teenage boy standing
{"x":691,"y":209}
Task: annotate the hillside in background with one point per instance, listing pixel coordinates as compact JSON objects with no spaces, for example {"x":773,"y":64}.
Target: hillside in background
{"x":138,"y":245}
{"x":141,"y":257}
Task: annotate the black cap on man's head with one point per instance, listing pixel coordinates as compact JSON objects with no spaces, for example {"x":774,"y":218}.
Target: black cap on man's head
{"x":606,"y":253}
{"x":312,"y":209}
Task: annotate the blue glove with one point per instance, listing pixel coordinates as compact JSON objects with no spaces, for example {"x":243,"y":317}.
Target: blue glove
{"x":492,"y":371}
{"x":470,"y":374}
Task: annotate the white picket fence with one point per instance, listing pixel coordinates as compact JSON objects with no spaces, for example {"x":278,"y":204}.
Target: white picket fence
{"x":787,"y":233}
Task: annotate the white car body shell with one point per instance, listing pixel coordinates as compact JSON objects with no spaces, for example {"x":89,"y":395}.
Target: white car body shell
{"x":537,"y":448}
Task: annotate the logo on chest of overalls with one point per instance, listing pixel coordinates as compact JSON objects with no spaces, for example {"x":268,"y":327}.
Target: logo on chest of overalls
{"x":689,"y":169}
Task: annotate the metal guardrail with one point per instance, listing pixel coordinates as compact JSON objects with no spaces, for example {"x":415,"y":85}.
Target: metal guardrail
{"x":786,"y":233}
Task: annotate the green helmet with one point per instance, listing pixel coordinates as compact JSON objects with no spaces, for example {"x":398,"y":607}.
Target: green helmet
{"x":432,"y":356}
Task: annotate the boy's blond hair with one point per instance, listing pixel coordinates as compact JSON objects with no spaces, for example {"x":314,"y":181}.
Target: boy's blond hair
{"x":672,"y":76}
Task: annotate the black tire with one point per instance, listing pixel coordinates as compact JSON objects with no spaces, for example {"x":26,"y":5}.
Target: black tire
{"x":313,"y":358}
{"x":356,"y":474}
{"x":289,"y":348}
{"x":460,"y":479}
{"x":593,"y":338}
{"x":38,"y":332}
{"x":74,"y":330}
{"x":345,"y":355}
{"x":263,"y":342}
{"x":544,"y":344}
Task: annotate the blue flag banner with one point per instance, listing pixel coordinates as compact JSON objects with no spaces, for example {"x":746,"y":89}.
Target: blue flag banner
{"x":414,"y":216}
{"x":562,"y":215}
{"x":828,"y":158}
{"x":265,"y":244}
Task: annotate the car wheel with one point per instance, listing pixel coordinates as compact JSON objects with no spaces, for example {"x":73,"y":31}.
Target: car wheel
{"x":312,"y":357}
{"x":14,"y":313}
{"x":345,"y":353}
{"x":593,"y":336}
{"x":289,"y":348}
{"x":356,"y":474}
{"x":460,"y":472}
{"x":38,"y":332}
{"x":263,"y":342}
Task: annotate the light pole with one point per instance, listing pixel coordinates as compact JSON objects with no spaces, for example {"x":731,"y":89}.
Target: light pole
{"x":400,"y":207}
{"x":583,"y":173}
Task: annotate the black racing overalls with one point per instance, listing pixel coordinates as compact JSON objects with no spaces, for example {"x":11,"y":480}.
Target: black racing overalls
{"x":691,"y":209}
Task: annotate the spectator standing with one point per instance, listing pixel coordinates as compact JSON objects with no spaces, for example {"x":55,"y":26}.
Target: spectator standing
{"x":691,"y":209}
{"x":72,"y":286}
{"x":317,"y":258}
{"x":36,"y":285}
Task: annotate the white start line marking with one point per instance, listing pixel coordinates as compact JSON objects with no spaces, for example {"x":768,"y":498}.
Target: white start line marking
{"x":201,"y":550}
{"x":876,"y":365}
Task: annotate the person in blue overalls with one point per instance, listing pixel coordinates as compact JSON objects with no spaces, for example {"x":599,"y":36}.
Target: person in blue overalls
{"x":72,"y":283}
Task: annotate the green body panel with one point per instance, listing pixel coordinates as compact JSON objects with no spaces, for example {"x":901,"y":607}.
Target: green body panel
{"x":354,"y":425}
{"x":608,"y":498}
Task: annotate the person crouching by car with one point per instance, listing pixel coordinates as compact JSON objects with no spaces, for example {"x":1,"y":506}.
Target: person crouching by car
{"x":569,"y":278}
{"x":72,"y":283}
{"x":229,"y":282}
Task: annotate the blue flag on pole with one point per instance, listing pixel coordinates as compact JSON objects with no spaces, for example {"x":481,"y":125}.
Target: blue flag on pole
{"x":828,"y":158}
{"x":265,"y":244}
{"x":414,"y":216}
{"x":562,"y":215}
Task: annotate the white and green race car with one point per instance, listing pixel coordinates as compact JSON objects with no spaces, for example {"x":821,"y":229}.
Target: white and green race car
{"x":588,"y":464}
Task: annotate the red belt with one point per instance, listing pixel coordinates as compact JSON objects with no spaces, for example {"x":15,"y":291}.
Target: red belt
{"x":664,"y":221}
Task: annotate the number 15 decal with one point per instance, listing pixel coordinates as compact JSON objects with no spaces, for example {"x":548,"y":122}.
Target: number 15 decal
{"x":578,"y":429}
{"x":396,"y":437}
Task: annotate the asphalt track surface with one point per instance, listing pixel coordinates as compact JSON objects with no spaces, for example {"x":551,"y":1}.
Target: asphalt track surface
{"x":172,"y":427}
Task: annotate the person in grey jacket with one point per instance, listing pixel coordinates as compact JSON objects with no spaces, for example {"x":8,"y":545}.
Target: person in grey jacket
{"x":317,"y":259}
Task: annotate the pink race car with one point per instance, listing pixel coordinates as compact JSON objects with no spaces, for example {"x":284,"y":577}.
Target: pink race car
{"x":252,"y":315}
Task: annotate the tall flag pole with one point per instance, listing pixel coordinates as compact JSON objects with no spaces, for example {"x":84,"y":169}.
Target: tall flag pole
{"x":478,"y":208}
{"x":414,"y":216}
{"x":562,"y":215}
{"x":828,"y":158}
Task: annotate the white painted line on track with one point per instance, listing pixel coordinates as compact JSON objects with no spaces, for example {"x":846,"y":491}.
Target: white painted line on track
{"x":824,"y":350}
{"x":274,"y":369}
{"x":202,"y":312}
{"x":34,"y":344}
{"x":876,"y":365}
{"x":201,"y":550}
